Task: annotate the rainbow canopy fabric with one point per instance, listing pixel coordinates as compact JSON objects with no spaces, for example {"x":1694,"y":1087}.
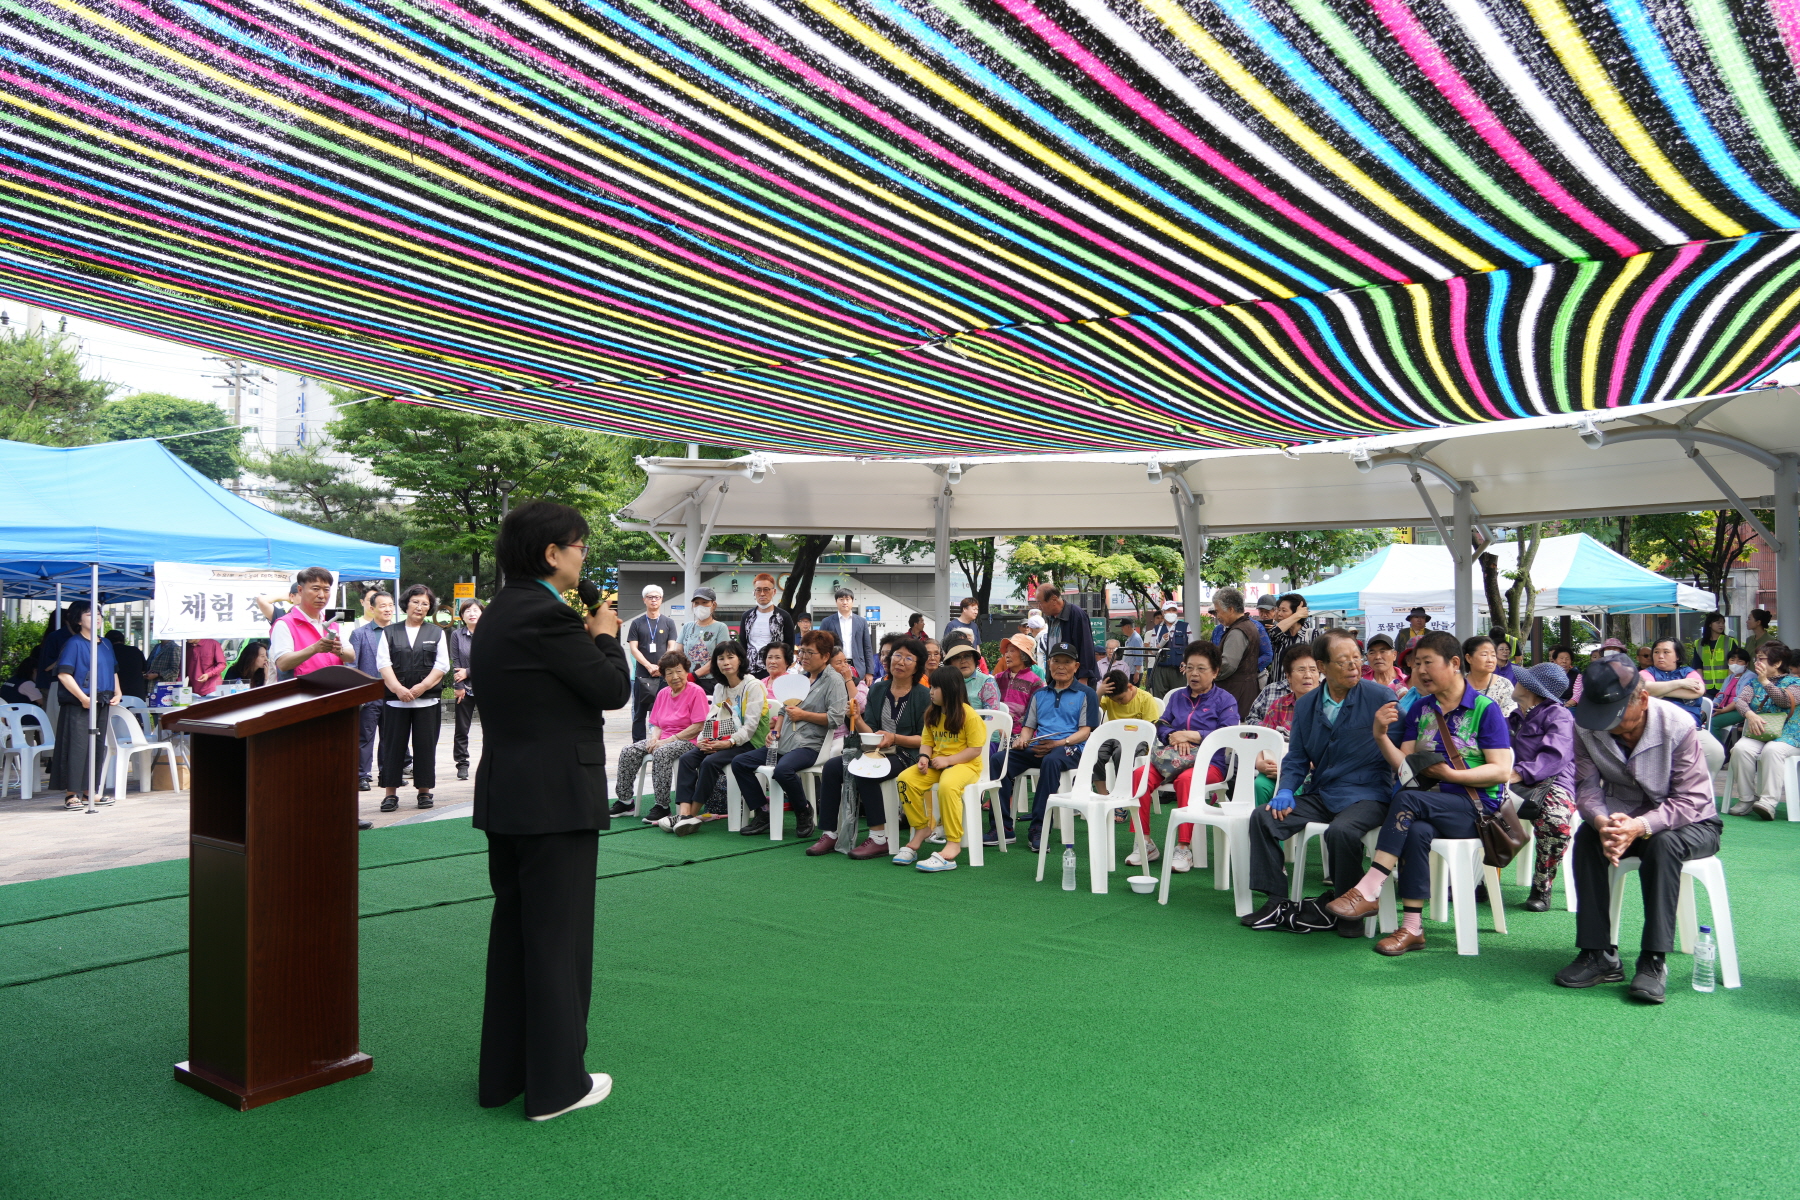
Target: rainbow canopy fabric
{"x":898,"y":227}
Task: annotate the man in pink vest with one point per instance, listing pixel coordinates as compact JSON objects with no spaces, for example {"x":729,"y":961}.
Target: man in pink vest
{"x":299,"y":642}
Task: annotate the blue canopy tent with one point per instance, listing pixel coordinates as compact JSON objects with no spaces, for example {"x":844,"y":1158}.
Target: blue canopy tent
{"x":1572,"y":574}
{"x":96,"y":520}
{"x":125,"y":506}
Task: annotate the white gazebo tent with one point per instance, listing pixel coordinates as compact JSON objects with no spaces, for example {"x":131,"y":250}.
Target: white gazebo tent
{"x":1742,"y":448}
{"x":1572,"y":575}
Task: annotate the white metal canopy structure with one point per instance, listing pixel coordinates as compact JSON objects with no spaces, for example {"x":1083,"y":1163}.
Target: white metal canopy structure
{"x":1743,"y":449}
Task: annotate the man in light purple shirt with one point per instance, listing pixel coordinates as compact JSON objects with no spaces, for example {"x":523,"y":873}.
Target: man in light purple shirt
{"x":1643,"y":791}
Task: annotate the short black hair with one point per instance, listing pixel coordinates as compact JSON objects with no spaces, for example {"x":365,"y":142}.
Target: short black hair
{"x":1119,"y":680}
{"x":529,"y":530}
{"x":1443,"y":644}
{"x":1205,"y":650}
{"x":1568,"y":650}
{"x":787,"y":652}
{"x":418,"y":589}
{"x":1471,"y":645}
{"x":464,"y":606}
{"x":312,"y":575}
{"x":1779,"y":655}
{"x":1294,"y":600}
{"x":1734,"y":652}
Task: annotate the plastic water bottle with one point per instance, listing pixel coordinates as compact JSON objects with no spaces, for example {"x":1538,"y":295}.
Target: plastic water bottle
{"x":1068,"y":868}
{"x":1706,"y":960}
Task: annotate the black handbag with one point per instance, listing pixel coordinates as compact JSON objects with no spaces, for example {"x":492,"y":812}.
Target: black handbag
{"x":1502,"y":834}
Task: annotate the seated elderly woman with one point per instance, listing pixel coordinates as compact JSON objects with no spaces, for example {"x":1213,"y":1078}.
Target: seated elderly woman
{"x":1543,"y":776}
{"x":1301,"y":670}
{"x":983,"y":692}
{"x":1189,"y":714}
{"x":896,"y":711}
{"x":1481,"y":664}
{"x":1667,"y":678}
{"x":738,"y":705}
{"x":676,"y":717}
{"x":804,"y":725}
{"x":1771,"y":732}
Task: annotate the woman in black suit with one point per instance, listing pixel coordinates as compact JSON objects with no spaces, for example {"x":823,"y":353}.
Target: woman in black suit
{"x":547,"y":677}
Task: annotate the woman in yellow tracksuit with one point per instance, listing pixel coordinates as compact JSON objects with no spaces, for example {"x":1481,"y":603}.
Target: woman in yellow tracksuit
{"x":950,"y":751}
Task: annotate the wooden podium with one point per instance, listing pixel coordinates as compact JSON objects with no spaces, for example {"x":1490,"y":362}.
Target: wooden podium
{"x":272,"y":883}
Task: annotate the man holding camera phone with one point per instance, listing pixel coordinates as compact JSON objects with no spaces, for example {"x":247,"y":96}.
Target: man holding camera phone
{"x":303,"y":641}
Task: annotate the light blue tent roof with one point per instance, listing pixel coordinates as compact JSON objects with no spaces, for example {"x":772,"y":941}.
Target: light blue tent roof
{"x":129,"y":505}
{"x":1572,"y":573}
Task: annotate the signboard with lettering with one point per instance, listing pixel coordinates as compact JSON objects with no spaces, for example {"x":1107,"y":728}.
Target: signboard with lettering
{"x":194,"y":601}
{"x":462,"y":591}
{"x":1392,"y":621}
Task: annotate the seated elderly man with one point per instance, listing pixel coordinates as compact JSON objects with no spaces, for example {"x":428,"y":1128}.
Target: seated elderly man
{"x":1643,"y":791}
{"x":1057,"y":721}
{"x":1333,"y":773}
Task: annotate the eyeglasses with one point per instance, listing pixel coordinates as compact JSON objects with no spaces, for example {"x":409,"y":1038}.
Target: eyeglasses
{"x":581,"y":546}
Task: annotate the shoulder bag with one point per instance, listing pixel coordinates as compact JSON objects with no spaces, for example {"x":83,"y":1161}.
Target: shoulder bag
{"x":1501,"y":833}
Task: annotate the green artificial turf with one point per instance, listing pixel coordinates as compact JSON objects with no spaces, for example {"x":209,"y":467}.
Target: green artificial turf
{"x":788,"y":1027}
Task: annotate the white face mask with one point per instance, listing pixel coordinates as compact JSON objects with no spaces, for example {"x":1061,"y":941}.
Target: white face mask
{"x":702,"y":611}
{"x":1736,"y":668}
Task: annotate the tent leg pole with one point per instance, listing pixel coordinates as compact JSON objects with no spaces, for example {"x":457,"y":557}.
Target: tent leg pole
{"x":940,"y":591}
{"x":1462,"y":556}
{"x":1193,"y":546}
{"x":93,"y":682}
{"x":692,"y":552}
{"x":1787,"y":534}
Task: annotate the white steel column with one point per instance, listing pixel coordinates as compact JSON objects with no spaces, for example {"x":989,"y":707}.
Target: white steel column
{"x":940,"y":594}
{"x":1787,"y":535}
{"x":1462,"y":554}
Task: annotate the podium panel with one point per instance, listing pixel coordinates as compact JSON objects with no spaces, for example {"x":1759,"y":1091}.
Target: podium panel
{"x":272,"y":964}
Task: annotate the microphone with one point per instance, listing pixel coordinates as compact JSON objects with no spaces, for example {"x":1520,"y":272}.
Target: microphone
{"x":590,"y":596}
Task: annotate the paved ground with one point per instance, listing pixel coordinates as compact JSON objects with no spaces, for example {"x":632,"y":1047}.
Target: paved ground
{"x":39,"y":840}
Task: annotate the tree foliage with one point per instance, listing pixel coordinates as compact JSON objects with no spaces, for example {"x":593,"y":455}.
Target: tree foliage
{"x":44,"y":396}
{"x":462,"y":471}
{"x":1703,"y":546}
{"x":208,"y":448}
{"x":974,"y":557}
{"x":1303,"y":555}
{"x":1143,"y":567}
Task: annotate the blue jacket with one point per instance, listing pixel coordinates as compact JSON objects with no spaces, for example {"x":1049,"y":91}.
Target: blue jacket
{"x":1340,"y":763}
{"x":858,"y":643}
{"x":1078,"y":631}
{"x":1265,"y":653}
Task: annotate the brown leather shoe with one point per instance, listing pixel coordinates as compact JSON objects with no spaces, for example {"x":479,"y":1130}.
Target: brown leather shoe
{"x":1399,"y":942}
{"x":870,"y":848}
{"x":824,"y":845}
{"x":1352,"y":906}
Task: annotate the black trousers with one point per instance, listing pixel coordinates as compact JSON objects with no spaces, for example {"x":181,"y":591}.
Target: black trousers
{"x":643,"y":694}
{"x":1343,"y":841}
{"x":697,"y":773}
{"x":420,"y":726}
{"x":1659,"y":873}
{"x":465,"y":717}
{"x":540,"y":970}
{"x":368,"y":720}
{"x":868,"y":793}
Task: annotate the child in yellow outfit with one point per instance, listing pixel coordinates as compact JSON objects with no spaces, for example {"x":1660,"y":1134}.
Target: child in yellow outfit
{"x":950,"y":751}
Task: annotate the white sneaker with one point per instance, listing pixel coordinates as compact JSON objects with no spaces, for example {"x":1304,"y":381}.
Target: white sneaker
{"x":937,"y":862}
{"x":1184,"y":859}
{"x":1132,"y":859}
{"x":1741,"y":808}
{"x":1765,"y":808}
{"x":906,"y":857}
{"x":602,"y":1089}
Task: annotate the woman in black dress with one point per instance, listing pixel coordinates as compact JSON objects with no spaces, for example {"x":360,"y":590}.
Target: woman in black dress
{"x":69,"y":765}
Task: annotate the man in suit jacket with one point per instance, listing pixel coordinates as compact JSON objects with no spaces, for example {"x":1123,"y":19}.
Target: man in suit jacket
{"x":547,"y":677}
{"x":1069,"y":623}
{"x":1333,"y":773}
{"x":853,"y":634}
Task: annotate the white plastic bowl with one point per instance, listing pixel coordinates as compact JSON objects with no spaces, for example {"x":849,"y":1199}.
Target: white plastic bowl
{"x":1143,"y":885}
{"x":871,"y":740}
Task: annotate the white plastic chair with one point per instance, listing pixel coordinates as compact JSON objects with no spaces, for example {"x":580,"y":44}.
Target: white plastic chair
{"x":1711,"y":872}
{"x":999,"y":726}
{"x":127,"y":746}
{"x":31,"y":756}
{"x":1230,"y":819}
{"x":138,"y":708}
{"x":809,"y":778}
{"x":1459,"y":859}
{"x":638,"y":786}
{"x":1790,"y":787}
{"x":1081,"y":800}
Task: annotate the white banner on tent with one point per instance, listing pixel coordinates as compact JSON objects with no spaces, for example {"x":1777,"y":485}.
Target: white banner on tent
{"x":193,"y":601}
{"x":1392,"y":620}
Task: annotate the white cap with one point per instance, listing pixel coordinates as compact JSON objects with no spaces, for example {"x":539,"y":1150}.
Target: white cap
{"x":1171,"y":606}
{"x":1036,"y":622}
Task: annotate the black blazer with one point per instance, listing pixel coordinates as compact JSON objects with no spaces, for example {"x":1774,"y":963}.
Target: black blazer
{"x":545,"y":686}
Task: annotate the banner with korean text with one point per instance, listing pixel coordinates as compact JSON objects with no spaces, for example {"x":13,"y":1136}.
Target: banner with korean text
{"x":193,"y":601}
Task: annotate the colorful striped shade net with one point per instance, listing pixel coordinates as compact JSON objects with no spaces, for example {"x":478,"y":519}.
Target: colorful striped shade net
{"x":970,"y":226}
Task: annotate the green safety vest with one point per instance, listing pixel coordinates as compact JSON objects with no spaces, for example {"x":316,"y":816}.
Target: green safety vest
{"x":1712,"y":662}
